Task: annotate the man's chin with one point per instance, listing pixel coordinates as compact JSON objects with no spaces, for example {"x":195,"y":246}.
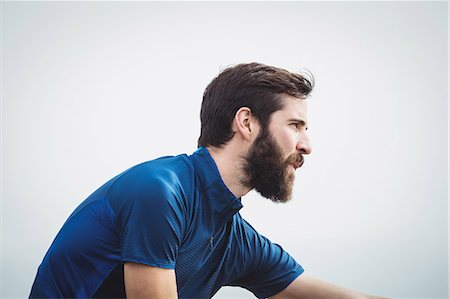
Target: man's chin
{"x":277,"y":198}
{"x":280,"y":200}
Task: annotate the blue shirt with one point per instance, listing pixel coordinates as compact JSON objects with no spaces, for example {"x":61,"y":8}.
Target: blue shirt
{"x":174,"y":213}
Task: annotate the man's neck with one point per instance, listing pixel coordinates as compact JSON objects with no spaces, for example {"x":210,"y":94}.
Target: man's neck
{"x":229,"y":164}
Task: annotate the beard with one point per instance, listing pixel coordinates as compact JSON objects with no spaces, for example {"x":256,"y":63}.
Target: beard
{"x":267,"y":171}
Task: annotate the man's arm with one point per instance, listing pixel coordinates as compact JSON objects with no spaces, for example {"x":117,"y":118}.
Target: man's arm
{"x":307,"y":287}
{"x":142,"y":281}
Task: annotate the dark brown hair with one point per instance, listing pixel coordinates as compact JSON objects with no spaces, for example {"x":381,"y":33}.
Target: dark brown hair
{"x":253,"y":85}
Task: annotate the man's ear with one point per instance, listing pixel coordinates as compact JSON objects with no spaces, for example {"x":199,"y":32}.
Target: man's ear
{"x":244,"y":123}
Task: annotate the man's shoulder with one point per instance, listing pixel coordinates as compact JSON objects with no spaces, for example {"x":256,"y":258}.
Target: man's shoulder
{"x":167,"y":169}
{"x":169,"y":178}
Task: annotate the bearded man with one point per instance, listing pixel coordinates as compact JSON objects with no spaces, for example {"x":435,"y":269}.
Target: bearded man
{"x":171,"y":228}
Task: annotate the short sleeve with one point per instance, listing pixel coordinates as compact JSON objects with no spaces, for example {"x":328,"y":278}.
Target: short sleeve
{"x":269,"y":269}
{"x":149,"y":220}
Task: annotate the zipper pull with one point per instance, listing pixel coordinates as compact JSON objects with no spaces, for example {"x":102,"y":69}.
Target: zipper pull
{"x":211,"y":240}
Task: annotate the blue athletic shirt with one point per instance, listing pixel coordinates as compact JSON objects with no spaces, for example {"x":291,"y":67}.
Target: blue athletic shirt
{"x":174,"y":213}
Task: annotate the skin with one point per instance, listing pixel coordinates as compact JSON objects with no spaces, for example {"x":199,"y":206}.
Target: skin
{"x":308,"y":287}
{"x":288,"y":126}
{"x":142,"y":281}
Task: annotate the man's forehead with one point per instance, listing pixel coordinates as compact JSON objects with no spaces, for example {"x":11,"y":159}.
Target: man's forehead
{"x":294,"y":108}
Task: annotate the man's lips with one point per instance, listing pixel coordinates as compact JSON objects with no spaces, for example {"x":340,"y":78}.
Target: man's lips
{"x":298,"y":164}
{"x":295,"y":165}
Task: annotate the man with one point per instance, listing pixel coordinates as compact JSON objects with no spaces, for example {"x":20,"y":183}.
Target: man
{"x":171,"y":227}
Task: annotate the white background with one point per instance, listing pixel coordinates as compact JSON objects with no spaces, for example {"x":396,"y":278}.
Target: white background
{"x":90,"y":89}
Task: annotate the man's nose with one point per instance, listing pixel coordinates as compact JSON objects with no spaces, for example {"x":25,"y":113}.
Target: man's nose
{"x":303,"y":145}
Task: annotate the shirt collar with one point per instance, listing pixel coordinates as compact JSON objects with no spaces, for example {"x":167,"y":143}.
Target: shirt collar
{"x":220,"y":199}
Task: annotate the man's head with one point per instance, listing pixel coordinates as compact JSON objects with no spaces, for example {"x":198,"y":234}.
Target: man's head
{"x":256,"y":86}
{"x":271,"y":100}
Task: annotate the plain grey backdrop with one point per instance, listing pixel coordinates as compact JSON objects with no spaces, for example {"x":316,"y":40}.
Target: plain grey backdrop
{"x":90,"y":89}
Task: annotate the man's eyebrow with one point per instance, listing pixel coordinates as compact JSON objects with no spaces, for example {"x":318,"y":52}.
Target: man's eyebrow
{"x":299,"y":121}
